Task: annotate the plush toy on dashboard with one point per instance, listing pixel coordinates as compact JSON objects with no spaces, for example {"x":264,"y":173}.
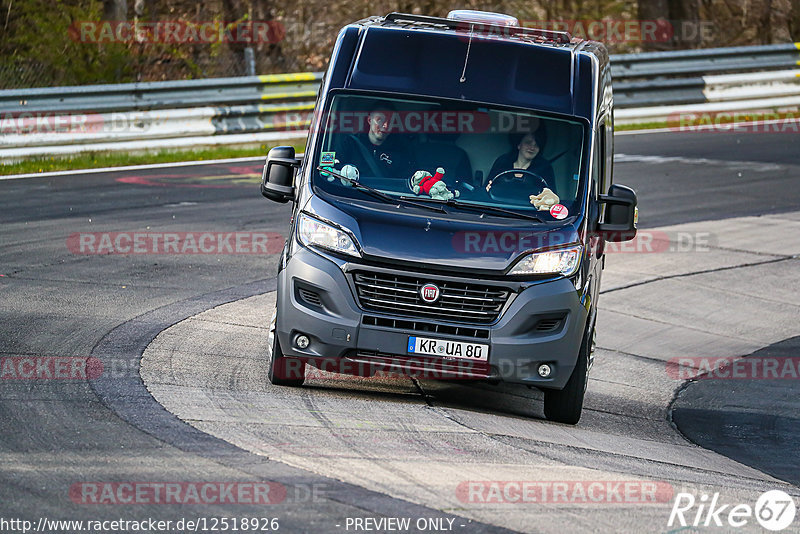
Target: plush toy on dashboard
{"x":544,"y":200}
{"x":349,"y":171}
{"x":423,"y":183}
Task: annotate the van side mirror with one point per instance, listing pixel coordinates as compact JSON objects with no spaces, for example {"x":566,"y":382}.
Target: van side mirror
{"x":277,"y":180}
{"x":620,"y":219}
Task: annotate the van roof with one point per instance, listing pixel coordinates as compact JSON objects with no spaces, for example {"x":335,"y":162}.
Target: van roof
{"x":520,"y":33}
{"x":456,"y":59}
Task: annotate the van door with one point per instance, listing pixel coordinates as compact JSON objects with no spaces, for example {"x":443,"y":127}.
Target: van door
{"x":598,"y":184}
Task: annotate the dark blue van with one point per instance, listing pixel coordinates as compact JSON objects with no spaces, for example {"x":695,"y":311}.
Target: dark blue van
{"x":452,"y":207}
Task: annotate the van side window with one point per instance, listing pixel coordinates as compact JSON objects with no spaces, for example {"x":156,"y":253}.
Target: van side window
{"x":599,"y":161}
{"x":608,"y":176}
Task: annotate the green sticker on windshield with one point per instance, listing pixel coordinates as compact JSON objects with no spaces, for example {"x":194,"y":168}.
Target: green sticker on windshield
{"x":327,"y":158}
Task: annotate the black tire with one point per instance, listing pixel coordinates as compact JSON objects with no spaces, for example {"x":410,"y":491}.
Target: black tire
{"x":566,"y":405}
{"x":283,"y":371}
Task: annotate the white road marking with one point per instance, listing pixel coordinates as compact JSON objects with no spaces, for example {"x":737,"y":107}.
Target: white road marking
{"x":54,"y":174}
{"x":758,"y":166}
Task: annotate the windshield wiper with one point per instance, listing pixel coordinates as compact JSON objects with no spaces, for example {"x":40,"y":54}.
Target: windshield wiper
{"x":379,"y":194}
{"x":477,"y":207}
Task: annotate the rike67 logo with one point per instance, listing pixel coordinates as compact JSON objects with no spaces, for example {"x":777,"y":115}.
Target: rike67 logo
{"x":774,"y":510}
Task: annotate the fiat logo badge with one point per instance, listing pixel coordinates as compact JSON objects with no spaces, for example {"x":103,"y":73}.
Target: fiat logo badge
{"x":429,"y":293}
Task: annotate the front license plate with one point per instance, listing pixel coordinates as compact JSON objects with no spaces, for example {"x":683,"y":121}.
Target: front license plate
{"x":448,"y":349}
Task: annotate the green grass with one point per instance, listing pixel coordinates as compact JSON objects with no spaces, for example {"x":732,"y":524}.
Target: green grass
{"x":640,"y":126}
{"x":92,"y":160}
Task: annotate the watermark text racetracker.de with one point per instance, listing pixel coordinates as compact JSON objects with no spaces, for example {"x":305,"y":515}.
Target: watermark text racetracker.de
{"x":84,"y":123}
{"x":734,"y":368}
{"x":607,"y":30}
{"x":178,"y":32}
{"x":45,"y":368}
{"x":534,"y":492}
{"x":146,"y":242}
{"x":189,"y":493}
{"x":413,"y":121}
{"x":645,"y":242}
{"x":49,"y":368}
{"x":736,"y":121}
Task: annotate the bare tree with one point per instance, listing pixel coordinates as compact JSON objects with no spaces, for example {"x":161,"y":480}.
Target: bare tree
{"x":115,"y":9}
{"x":139,"y":8}
{"x":794,"y":21}
{"x":685,"y":18}
{"x":682,"y":15}
{"x":777,"y":28}
{"x":271,"y":56}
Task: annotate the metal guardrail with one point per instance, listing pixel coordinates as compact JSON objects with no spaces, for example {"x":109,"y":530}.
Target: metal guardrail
{"x":657,"y":87}
{"x":154,"y":115}
{"x":688,"y":76}
{"x":163,"y":95}
{"x":706,"y":61}
{"x":659,"y":101}
{"x":256,"y":109}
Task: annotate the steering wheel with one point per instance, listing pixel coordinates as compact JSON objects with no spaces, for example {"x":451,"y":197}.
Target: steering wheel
{"x":508,"y":176}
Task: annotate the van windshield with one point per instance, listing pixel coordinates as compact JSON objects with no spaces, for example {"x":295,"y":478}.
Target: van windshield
{"x":457,"y":153}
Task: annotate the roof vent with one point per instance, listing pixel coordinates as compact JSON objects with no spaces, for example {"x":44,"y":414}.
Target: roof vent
{"x":483,"y":17}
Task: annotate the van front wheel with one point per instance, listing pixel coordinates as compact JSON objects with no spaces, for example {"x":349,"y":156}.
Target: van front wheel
{"x":283,"y":371}
{"x":566,"y":405}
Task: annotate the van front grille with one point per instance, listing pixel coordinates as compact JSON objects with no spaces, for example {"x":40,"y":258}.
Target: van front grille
{"x":548,"y":325}
{"x":458,"y":302}
{"x":310,"y":297}
{"x":426,"y":326}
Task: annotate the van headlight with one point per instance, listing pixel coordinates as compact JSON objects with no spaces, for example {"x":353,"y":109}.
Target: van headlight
{"x":561,"y":261}
{"x":312,"y":232}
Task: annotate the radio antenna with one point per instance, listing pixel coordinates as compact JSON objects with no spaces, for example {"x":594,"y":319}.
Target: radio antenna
{"x":466,"y":58}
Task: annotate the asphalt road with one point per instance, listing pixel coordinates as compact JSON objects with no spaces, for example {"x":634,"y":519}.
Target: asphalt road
{"x":58,"y":434}
{"x":757,"y":432}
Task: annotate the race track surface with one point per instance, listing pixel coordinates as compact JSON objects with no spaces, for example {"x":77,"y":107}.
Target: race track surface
{"x":176,"y":345}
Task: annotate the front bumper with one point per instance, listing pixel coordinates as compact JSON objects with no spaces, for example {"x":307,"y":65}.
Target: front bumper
{"x":340,"y":331}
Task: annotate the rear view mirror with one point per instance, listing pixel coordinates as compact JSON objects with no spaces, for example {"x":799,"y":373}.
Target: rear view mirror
{"x":619,"y":221}
{"x":277,"y":180}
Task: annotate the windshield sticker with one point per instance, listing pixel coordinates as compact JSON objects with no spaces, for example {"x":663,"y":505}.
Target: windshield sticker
{"x":559,"y":211}
{"x":327,"y":158}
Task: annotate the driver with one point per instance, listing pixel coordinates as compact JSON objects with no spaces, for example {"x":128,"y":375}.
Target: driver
{"x":378,"y":151}
{"x":526,"y":156}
